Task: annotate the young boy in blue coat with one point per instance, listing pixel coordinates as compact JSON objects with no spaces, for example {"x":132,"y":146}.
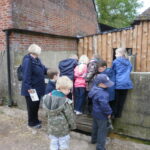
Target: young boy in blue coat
{"x":53,"y":76}
{"x":101,"y":111}
{"x":111,"y":74}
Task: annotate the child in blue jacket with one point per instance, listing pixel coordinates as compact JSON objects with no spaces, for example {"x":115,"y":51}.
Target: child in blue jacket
{"x":122,"y":68}
{"x":53,"y":76}
{"x":111,"y":74}
{"x":101,"y":110}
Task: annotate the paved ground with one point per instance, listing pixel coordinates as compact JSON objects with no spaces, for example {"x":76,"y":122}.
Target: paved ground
{"x":15,"y":135}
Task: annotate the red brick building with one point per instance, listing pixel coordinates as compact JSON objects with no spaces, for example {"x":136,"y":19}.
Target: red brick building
{"x":52,"y":24}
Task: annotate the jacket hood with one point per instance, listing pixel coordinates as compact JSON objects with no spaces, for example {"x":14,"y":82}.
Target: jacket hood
{"x":55,"y":104}
{"x":123,"y":61}
{"x":67,"y":62}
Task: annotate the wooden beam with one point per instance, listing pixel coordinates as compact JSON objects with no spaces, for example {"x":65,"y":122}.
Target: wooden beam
{"x":139,"y":43}
{"x":99,"y":48}
{"x":90,"y":50}
{"x":80,"y":47}
{"x":85,"y":46}
{"x":144,"y":47}
{"x":104,"y":51}
{"x":148,"y":49}
{"x":134,"y":50}
{"x":109,"y":49}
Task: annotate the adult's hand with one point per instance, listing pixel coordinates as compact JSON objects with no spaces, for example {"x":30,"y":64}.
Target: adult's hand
{"x":31,"y":91}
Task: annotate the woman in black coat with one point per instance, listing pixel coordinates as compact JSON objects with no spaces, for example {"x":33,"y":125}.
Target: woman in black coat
{"x":33,"y":78}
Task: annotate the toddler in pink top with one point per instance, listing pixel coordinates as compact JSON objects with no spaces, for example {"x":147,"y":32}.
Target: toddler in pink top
{"x":80,"y":72}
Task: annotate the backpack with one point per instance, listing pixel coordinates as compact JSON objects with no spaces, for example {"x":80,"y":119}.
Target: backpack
{"x":20,"y":73}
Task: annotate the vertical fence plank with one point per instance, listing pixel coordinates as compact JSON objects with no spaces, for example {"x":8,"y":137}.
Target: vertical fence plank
{"x":109,"y":49}
{"x":144,"y":47}
{"x":127,"y":38}
{"x":124,"y":38}
{"x":85,"y":46}
{"x":114,"y":40}
{"x":90,"y":52}
{"x":148,"y":52}
{"x":99,"y":48}
{"x":104,"y":53}
{"x":139,"y":42}
{"x":118,"y":39}
{"x":80,"y":47}
{"x":130,"y":38}
{"x":95,"y":44}
{"x":134,"y":50}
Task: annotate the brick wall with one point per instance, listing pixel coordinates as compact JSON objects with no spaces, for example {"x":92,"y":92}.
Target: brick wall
{"x":62,"y":17}
{"x":5,"y":20}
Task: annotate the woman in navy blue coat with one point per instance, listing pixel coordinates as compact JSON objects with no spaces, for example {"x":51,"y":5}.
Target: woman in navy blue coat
{"x":33,"y":78}
{"x":122,"y":68}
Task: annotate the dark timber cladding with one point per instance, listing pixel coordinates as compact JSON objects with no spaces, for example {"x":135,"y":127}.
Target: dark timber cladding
{"x":136,"y":37}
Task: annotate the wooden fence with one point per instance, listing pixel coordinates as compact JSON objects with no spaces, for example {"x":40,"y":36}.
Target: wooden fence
{"x":136,"y":38}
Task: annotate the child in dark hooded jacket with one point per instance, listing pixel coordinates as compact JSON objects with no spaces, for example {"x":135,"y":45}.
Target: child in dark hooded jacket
{"x":66,"y":66}
{"x":101,"y":111}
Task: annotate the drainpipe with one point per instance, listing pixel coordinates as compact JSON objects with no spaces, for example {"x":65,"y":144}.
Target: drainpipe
{"x":10,"y":100}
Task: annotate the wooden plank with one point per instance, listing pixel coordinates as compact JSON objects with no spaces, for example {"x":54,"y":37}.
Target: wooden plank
{"x":134,"y":50}
{"x":104,"y":50}
{"x":144,"y":47}
{"x":139,"y":42}
{"x":109,"y":50}
{"x":114,"y":40}
{"x":80,"y":47}
{"x":127,"y":38}
{"x":84,"y":123}
{"x":99,"y":48}
{"x":148,"y":53}
{"x":123,"y":38}
{"x":118,"y":39}
{"x":130,"y":38}
{"x":95,"y":44}
{"x":85,"y":46}
{"x":90,"y":50}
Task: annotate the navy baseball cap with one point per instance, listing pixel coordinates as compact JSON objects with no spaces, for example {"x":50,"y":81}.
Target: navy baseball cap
{"x":102,"y":78}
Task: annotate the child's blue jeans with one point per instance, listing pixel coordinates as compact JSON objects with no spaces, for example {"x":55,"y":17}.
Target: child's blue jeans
{"x":99,"y":133}
{"x":79,"y":93}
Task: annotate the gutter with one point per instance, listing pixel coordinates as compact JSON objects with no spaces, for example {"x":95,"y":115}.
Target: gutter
{"x":25,"y":31}
{"x":10,"y":100}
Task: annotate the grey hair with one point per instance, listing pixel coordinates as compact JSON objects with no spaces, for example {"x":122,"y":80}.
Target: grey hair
{"x":122,"y":51}
{"x":35,"y":49}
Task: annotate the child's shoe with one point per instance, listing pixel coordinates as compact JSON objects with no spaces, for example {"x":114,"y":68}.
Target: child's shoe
{"x":78,"y":113}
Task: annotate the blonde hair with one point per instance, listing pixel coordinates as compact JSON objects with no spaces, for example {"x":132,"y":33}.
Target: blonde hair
{"x":122,"y":51}
{"x":64,"y":82}
{"x":35,"y":49}
{"x":84,"y":59}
